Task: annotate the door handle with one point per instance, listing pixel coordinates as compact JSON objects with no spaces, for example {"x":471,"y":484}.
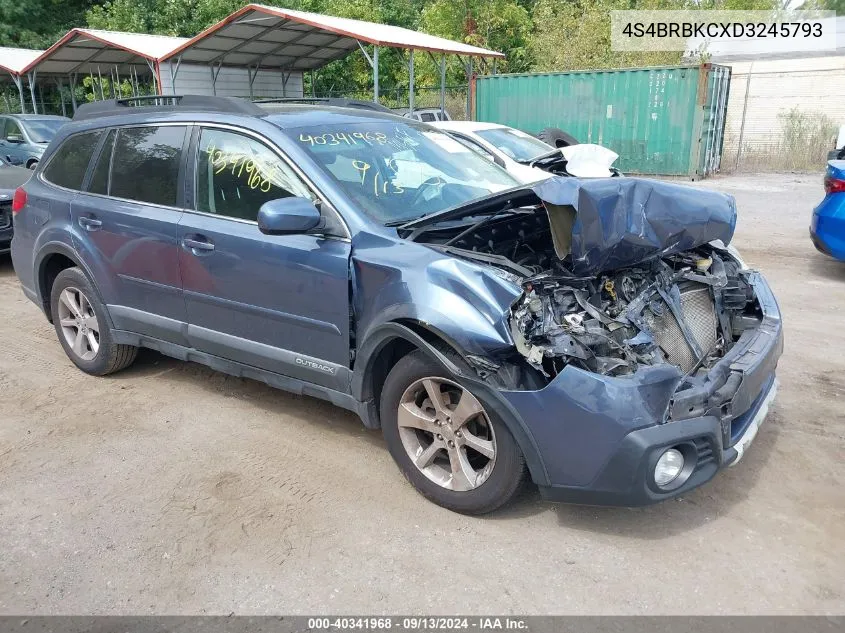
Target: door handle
{"x":90,"y":224}
{"x":197,"y":245}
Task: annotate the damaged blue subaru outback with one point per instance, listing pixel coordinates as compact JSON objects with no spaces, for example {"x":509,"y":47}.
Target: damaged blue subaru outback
{"x":598,"y":336}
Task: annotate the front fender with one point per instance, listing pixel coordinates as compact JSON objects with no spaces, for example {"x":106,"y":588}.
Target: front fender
{"x":383,"y":334}
{"x":465,"y":302}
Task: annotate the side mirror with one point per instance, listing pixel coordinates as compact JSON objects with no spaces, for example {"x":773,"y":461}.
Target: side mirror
{"x":14,"y":138}
{"x":287,"y":216}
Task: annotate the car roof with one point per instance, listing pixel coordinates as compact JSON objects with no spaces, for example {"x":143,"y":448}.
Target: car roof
{"x":33,"y":117}
{"x":198,"y":108}
{"x":467,"y":126}
{"x":293,"y":116}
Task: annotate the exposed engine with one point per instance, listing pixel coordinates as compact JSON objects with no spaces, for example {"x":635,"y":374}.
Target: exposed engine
{"x":686,"y":309}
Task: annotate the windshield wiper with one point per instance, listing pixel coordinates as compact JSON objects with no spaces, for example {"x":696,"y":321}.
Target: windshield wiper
{"x":531,"y":161}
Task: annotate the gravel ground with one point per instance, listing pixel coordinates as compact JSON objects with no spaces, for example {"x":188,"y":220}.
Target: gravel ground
{"x":169,"y":488}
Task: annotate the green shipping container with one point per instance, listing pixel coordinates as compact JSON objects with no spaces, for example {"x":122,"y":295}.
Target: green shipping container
{"x":667,"y":120}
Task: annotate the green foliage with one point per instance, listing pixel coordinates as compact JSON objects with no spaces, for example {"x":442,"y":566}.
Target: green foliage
{"x":826,"y":5}
{"x":39,"y":23}
{"x":541,"y":35}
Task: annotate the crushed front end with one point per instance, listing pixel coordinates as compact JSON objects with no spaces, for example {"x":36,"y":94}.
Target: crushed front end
{"x":654,"y":348}
{"x":685,"y":361}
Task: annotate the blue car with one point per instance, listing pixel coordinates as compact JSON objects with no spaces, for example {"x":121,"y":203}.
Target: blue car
{"x":827,"y":228}
{"x":597,"y":335}
{"x":25,"y":137}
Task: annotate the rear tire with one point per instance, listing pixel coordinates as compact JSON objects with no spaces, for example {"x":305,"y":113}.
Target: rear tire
{"x":556,"y":137}
{"x":82,"y":326}
{"x":456,"y":453}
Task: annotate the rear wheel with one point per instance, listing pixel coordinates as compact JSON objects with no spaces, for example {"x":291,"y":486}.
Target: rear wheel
{"x":448,"y":444}
{"x":80,"y":322}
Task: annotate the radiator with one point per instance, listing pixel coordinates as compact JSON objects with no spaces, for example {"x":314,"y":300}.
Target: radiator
{"x":699,"y":312}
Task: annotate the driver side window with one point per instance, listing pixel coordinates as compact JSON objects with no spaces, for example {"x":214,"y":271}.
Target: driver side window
{"x":12,"y":129}
{"x":235,"y":175}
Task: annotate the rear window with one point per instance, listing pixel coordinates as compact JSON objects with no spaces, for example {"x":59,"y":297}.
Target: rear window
{"x":68,"y":165}
{"x":100,"y":178}
{"x":146,"y":161}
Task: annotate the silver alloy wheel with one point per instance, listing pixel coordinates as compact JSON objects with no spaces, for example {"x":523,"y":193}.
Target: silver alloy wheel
{"x":79,"y":323}
{"x":447,"y":434}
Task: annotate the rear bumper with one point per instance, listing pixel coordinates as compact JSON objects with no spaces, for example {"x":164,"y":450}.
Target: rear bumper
{"x":599,"y":438}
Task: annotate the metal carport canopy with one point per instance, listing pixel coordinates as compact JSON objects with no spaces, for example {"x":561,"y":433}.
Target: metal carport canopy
{"x":84,"y":51}
{"x":273,"y":37}
{"x":90,"y":51}
{"x":13,"y":61}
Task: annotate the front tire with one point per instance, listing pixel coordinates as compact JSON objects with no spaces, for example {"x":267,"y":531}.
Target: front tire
{"x":451,"y":447}
{"x":32,"y":164}
{"x":82,"y":327}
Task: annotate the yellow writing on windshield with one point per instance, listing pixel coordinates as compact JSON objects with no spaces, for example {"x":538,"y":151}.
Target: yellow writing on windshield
{"x":339,"y":138}
{"x":385,"y":187}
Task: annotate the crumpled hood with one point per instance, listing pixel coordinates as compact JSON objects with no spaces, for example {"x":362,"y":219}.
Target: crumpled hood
{"x":611,"y":223}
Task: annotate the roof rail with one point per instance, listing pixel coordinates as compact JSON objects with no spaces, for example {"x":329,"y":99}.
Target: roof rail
{"x":339,"y":102}
{"x":166,"y":103}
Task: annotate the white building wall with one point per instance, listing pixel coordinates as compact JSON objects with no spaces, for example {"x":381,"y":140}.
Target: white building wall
{"x":816,"y":85}
{"x":195,"y":79}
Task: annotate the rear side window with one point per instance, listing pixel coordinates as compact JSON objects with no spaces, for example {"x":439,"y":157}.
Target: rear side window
{"x":146,"y":161}
{"x":100,"y":177}
{"x":68,"y":165}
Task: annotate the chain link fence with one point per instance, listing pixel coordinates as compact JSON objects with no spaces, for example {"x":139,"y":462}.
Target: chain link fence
{"x":783,"y":115}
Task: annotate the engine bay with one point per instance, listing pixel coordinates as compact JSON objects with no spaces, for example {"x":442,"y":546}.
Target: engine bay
{"x":686,"y":308}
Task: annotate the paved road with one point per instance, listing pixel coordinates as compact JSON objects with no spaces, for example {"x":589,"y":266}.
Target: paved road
{"x":170,"y":488}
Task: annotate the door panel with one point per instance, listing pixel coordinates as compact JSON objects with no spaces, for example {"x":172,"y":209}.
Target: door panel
{"x":135,"y":245}
{"x":134,"y":241}
{"x":276,"y":302}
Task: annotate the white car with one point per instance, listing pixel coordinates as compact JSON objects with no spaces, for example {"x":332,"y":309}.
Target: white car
{"x":517,"y":151}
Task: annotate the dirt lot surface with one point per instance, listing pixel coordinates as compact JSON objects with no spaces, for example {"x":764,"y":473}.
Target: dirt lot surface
{"x":169,"y":488}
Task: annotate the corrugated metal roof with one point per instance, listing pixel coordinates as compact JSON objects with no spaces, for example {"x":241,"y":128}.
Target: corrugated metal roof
{"x":84,"y":50}
{"x":283,"y":38}
{"x":14,"y":60}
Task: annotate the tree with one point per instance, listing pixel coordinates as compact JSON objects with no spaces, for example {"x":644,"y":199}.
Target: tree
{"x":39,"y":23}
{"x":501,"y":25}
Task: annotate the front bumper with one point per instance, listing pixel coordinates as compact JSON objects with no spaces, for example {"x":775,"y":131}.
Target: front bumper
{"x":599,"y":438}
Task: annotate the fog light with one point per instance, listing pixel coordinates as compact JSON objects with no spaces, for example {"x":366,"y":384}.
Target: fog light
{"x":668,"y":467}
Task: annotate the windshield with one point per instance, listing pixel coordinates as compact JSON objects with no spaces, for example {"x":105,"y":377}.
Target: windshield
{"x":43,"y":130}
{"x":400,"y":171}
{"x":515,"y":143}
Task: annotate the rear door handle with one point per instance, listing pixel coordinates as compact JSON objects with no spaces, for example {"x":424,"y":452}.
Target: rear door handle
{"x":197,"y":245}
{"x":90,"y":224}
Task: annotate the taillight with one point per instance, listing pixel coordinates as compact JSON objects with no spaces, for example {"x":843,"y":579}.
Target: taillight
{"x":834,"y":185}
{"x":19,"y":201}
